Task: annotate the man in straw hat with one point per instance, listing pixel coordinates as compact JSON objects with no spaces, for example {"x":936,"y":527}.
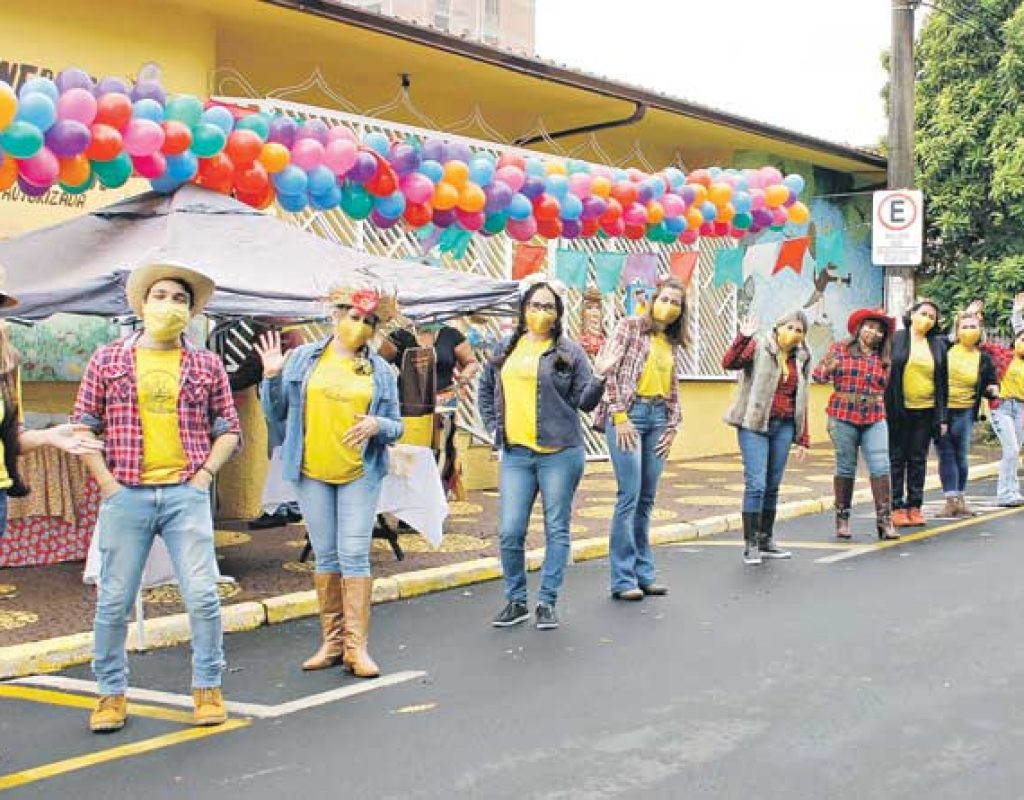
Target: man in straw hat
{"x":165,"y":411}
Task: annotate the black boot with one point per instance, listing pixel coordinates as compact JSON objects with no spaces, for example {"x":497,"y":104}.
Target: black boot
{"x":766,"y":540}
{"x":752,"y":551}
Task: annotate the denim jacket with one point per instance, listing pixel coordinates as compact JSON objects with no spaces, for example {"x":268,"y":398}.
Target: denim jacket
{"x":565,"y":386}
{"x":284,"y":404}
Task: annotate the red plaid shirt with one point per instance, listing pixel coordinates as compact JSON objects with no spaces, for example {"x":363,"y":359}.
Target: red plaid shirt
{"x":620,"y":387}
{"x":1002,"y":356}
{"x":853,"y":373}
{"x":740,"y":355}
{"x":108,"y":403}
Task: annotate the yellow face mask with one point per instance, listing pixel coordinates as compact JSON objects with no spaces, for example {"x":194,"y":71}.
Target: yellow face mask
{"x":789,"y":339}
{"x":539,"y":322}
{"x":970,"y":336}
{"x":164,"y":320}
{"x":353,"y":333}
{"x":665,"y":312}
{"x":922,"y":323}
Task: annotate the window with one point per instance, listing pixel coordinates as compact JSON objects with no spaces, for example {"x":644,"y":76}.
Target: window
{"x":492,"y":21}
{"x":443,"y":14}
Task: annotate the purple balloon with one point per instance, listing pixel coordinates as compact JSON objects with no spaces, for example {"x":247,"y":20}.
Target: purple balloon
{"x":644,"y":194}
{"x":433,"y":150}
{"x":282,"y":131}
{"x":445,"y":219}
{"x":458,"y":151}
{"x":68,"y":137}
{"x":381,"y":221}
{"x":789,"y":200}
{"x":31,"y":189}
{"x":571,"y":228}
{"x":404,"y":159}
{"x":73,"y":78}
{"x":499,"y":195}
{"x":364,"y":168}
{"x":149,"y":90}
{"x":314,"y":129}
{"x":762,"y":217}
{"x":533,"y":188}
{"x":688,"y":193}
{"x":593,"y":207}
{"x":111,"y":85}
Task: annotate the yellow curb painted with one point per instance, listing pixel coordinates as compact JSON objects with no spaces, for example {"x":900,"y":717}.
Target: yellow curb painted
{"x":53,"y":655}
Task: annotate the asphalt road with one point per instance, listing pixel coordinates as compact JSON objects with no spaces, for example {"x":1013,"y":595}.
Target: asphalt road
{"x":893,"y":673}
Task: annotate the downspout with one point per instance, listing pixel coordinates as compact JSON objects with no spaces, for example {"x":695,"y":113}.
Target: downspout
{"x":638,"y":114}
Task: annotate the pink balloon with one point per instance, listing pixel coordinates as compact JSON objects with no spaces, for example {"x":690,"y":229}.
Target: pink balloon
{"x":757,"y":200}
{"x":522,"y":230}
{"x":636,"y":214}
{"x":636,"y":175}
{"x":150,"y":166}
{"x":513,"y":176}
{"x":754,"y":179}
{"x":673,"y":205}
{"x":42,"y":169}
{"x":143,"y":137}
{"x":307,"y":154}
{"x":470,"y":220}
{"x":339,"y":133}
{"x":771,"y":176}
{"x":417,"y":188}
{"x":580,"y":184}
{"x":340,"y":154}
{"x":688,"y":236}
{"x":601,"y":171}
{"x":78,"y":105}
{"x":779,"y":216}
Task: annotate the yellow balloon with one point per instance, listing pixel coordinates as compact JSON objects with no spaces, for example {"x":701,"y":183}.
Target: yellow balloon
{"x":8,"y":104}
{"x":799,"y":214}
{"x":274,"y":157}
{"x":555,"y":168}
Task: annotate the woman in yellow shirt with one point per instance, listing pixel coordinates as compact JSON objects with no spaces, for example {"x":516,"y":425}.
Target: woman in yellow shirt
{"x":640,"y":416}
{"x":337,"y":403}
{"x":1007,"y":415}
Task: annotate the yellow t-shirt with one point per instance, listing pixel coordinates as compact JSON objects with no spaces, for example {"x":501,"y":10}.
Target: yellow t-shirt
{"x":964,"y":366}
{"x":1012,"y":385}
{"x":519,"y":387}
{"x":5,"y":480}
{"x":158,"y":376}
{"x":919,"y":377}
{"x":658,"y":372}
{"x":335,"y":394}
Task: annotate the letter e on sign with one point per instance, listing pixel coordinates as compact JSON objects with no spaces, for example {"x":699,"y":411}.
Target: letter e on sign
{"x":897,"y":228}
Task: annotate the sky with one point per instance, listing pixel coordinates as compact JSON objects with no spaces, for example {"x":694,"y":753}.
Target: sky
{"x":809,"y":65}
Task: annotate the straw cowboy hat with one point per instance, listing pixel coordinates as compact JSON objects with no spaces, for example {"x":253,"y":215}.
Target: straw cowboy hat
{"x":142,"y":279}
{"x":861,"y":315}
{"x":6,"y":300}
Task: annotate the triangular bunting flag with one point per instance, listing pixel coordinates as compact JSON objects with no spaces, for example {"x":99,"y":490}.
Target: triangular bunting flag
{"x":528,"y":260}
{"x":791,"y":255}
{"x":571,"y":268}
{"x":641,"y":267}
{"x":729,"y":266}
{"x":683,"y":264}
{"x":608,"y":270}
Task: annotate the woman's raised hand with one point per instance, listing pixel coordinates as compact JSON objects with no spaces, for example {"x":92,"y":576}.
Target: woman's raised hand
{"x":269,"y":350}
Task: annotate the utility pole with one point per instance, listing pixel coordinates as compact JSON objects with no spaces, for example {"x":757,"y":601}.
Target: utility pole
{"x":899,"y":281}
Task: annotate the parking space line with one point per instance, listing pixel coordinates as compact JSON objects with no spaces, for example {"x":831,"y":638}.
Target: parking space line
{"x":255,"y":710}
{"x":928,"y":533}
{"x":113,"y":753}
{"x":36,"y":695}
{"x":786,"y":545}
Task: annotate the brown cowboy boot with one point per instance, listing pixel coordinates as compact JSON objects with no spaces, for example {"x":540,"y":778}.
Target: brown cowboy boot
{"x":842,"y":488}
{"x":331,"y":603}
{"x":358,"y":599}
{"x":881,"y":492}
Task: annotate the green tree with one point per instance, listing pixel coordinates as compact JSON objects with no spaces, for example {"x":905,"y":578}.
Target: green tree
{"x":970,"y":151}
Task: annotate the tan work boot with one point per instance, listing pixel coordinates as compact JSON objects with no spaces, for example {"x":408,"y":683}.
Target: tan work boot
{"x":109,"y":715}
{"x":358,"y":599}
{"x":209,"y":707}
{"x":331,"y":602}
{"x":952,"y":507}
{"x":964,"y":510}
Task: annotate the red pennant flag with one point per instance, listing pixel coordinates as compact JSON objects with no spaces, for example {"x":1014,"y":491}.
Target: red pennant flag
{"x":528,"y":260}
{"x":791,"y":255}
{"x":683,"y":264}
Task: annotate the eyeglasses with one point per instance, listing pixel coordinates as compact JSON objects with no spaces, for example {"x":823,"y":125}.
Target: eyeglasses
{"x":542,"y":306}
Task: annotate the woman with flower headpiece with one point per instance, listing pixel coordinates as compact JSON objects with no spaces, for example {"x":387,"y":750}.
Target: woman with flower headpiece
{"x":337,"y":403}
{"x":530,"y":397}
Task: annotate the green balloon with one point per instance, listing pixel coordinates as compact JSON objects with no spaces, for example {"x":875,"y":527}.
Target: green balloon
{"x":356,"y":201}
{"x":115,"y":173}
{"x":743,"y":220}
{"x":21,"y":139}
{"x":82,"y":188}
{"x":185,"y":109}
{"x":207,"y":140}
{"x":257,"y":123}
{"x":495,"y":223}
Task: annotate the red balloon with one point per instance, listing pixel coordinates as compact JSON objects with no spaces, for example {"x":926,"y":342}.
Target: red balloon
{"x":590,"y":227}
{"x":546,"y":209}
{"x":384,"y":183}
{"x":177,"y":138}
{"x":216,"y":173}
{"x":115,"y":110}
{"x":418,"y":214}
{"x":722,"y":229}
{"x":550,"y":228}
{"x":105,"y":145}
{"x":636,"y":231}
{"x":243,"y":147}
{"x":613,"y":227}
{"x":260,"y":200}
{"x":625,"y":192}
{"x":612,"y":213}
{"x":251,"y":178}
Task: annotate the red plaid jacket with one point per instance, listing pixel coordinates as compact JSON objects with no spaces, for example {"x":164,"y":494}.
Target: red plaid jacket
{"x":108,"y":404}
{"x":1002,"y":356}
{"x":853,"y":373}
{"x":620,"y":387}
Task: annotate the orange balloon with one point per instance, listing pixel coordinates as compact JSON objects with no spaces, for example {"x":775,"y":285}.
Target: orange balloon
{"x":700,"y":193}
{"x":446,"y":196}
{"x":555,"y":168}
{"x":74,"y":171}
{"x":799,"y":214}
{"x":274,"y":157}
{"x":719,"y":193}
{"x":694,"y":218}
{"x":456,"y":173}
{"x":776,"y":195}
{"x":655,"y":212}
{"x":8,"y":173}
{"x":601,"y":186}
{"x":726,"y":213}
{"x":472,"y":198}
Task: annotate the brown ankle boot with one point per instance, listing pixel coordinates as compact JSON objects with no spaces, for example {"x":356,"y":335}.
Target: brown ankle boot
{"x":952,"y":507}
{"x":331,"y":603}
{"x":881,"y":492}
{"x":358,"y":599}
{"x":964,"y":510}
{"x":843,"y":490}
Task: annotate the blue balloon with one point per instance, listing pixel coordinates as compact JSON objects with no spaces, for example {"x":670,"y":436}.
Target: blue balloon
{"x":432,"y":169}
{"x":42,"y":86}
{"x":328,"y":200}
{"x":535,"y":168}
{"x":572,"y":207}
{"x":320,"y":180}
{"x":674,"y":224}
{"x":293,"y":181}
{"x":741,"y":201}
{"x":377,"y":142}
{"x":292,"y":202}
{"x":220,"y":117}
{"x":148,"y":109}
{"x":183,"y":166}
{"x":657,"y":188}
{"x":794,"y":182}
{"x":709,"y":211}
{"x":165,"y":184}
{"x":391,"y":206}
{"x":676,"y":177}
{"x":481,"y":171}
{"x":37,"y":109}
{"x":557,"y":185}
{"x":520,"y":207}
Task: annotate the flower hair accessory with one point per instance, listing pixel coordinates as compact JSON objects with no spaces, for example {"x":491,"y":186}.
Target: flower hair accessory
{"x":365,"y":300}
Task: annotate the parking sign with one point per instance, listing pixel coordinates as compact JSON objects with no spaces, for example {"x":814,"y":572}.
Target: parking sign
{"x":897,"y":228}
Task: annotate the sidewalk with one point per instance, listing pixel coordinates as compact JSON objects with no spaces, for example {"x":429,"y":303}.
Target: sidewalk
{"x":44,"y":602}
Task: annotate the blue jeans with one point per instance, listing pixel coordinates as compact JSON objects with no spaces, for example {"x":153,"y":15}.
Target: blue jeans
{"x":339,"y":518}
{"x":1008,"y":423}
{"x":3,"y":512}
{"x":764,"y":462}
{"x":556,"y":476}
{"x":872,"y":440}
{"x":128,"y":521}
{"x":637,"y":473}
{"x":953,"y":449}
